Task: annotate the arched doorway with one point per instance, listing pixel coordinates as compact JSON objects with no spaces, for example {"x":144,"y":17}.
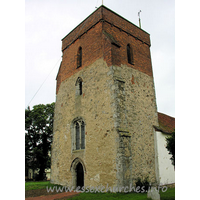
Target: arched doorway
{"x":79,"y":175}
{"x":78,"y":172}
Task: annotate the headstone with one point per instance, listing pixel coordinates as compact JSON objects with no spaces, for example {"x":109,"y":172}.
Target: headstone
{"x":153,"y":193}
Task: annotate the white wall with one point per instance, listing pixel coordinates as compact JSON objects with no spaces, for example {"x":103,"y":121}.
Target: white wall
{"x":166,"y":170}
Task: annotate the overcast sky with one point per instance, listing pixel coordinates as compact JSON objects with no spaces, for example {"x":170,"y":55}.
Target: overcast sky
{"x":48,"y":21}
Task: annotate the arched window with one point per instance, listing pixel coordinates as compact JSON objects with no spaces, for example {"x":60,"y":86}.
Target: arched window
{"x":79,"y":57}
{"x":78,"y":134}
{"x":79,"y":86}
{"x":82,"y":135}
{"x":129,"y":54}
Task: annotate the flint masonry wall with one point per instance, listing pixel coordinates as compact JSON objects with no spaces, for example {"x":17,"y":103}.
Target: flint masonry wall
{"x":99,"y":155}
{"x":118,"y":103}
{"x":118,"y":106}
{"x":134,"y":105}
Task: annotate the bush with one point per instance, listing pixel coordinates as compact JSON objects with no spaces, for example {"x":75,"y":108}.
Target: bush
{"x":142,"y":185}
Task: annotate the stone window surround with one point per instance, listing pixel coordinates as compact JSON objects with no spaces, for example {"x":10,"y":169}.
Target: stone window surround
{"x":79,"y":86}
{"x":73,"y":133}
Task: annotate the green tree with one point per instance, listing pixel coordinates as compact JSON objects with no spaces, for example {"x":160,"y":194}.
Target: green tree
{"x":38,"y":137}
{"x":171,"y":146}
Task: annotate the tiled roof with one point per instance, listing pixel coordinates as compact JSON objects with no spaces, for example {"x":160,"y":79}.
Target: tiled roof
{"x":166,"y":123}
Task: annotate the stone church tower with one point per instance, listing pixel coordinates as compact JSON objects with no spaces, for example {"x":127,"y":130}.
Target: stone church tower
{"x":105,"y":109}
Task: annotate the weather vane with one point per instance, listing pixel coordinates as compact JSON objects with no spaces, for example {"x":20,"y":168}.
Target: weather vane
{"x":139,"y":18}
{"x":97,"y":2}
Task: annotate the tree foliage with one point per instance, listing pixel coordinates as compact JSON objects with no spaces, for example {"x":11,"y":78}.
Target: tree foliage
{"x":171,"y":146}
{"x":38,"y":137}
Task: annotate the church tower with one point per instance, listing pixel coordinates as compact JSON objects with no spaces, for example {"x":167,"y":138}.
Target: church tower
{"x":105,"y":109}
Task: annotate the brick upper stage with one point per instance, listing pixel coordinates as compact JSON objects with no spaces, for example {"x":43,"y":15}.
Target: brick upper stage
{"x":106,"y":15}
{"x":104,"y":34}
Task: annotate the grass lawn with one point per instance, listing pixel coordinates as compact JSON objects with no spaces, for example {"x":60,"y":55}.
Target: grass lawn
{"x":34,"y":185}
{"x":168,"y":195}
